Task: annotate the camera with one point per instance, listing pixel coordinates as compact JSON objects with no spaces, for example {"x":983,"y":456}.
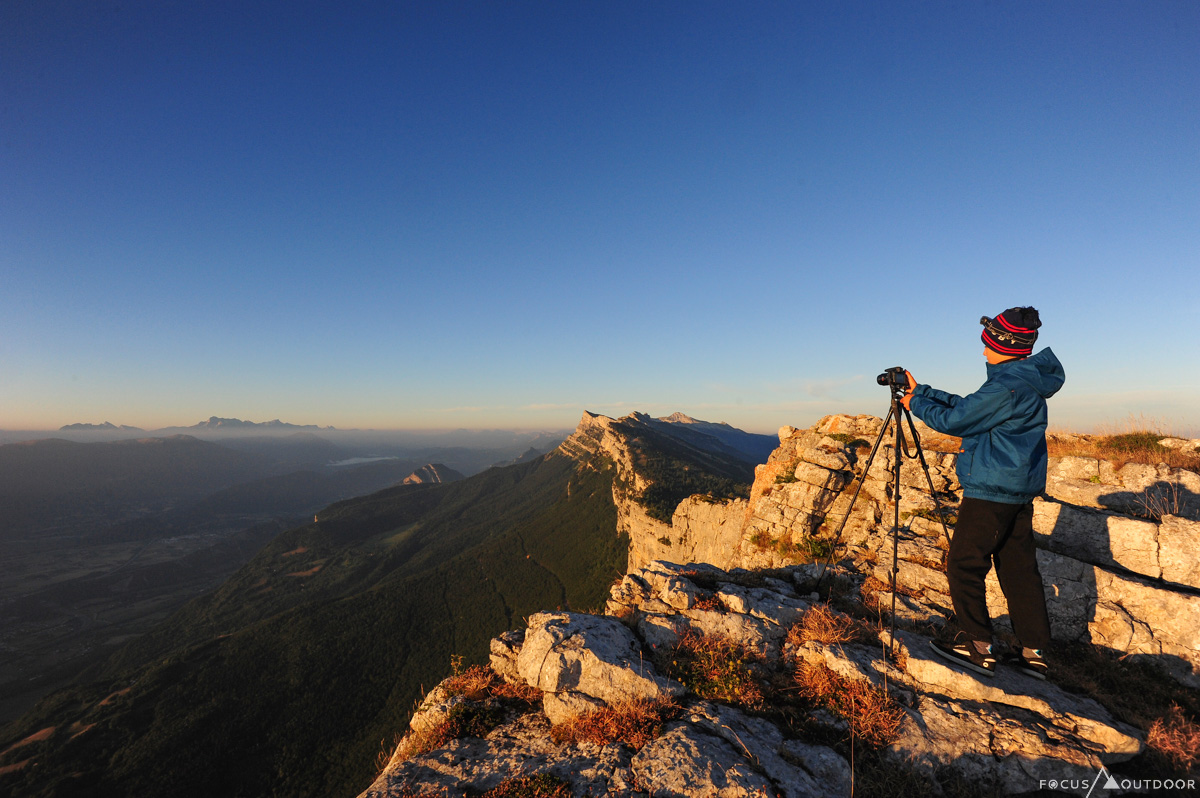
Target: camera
{"x":894,"y":377}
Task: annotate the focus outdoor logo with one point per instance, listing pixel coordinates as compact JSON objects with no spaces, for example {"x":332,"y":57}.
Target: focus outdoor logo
{"x":1106,"y":781}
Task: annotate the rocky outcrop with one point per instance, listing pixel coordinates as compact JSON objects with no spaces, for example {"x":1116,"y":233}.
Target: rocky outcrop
{"x":1011,"y":731}
{"x":702,"y":529}
{"x":1125,"y":580}
{"x":432,"y":473}
{"x":581,"y":662}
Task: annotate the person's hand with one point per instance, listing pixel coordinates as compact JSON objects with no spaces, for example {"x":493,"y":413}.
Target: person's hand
{"x":906,"y":400}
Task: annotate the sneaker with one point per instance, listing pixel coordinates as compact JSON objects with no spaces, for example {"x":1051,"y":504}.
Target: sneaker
{"x":963,"y":652}
{"x":1034,"y":665}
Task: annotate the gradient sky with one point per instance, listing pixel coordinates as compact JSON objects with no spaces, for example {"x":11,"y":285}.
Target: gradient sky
{"x":492,"y":214}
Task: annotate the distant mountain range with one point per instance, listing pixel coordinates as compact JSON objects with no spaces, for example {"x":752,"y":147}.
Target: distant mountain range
{"x":213,"y":424}
{"x":107,"y":426}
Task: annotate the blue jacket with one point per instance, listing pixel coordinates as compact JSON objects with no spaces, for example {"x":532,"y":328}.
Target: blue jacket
{"x":1002,"y":426}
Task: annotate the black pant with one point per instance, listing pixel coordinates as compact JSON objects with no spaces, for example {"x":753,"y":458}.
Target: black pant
{"x":989,"y":532}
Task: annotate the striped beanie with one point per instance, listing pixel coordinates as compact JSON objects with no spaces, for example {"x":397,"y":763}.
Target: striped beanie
{"x":1012,"y":333}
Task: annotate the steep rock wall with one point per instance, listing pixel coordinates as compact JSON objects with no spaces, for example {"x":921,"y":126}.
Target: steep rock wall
{"x":1128,"y":582}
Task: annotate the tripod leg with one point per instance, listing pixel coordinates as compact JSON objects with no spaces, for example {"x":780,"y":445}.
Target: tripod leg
{"x":837,"y":538}
{"x":898,"y":454}
{"x":925,"y":468}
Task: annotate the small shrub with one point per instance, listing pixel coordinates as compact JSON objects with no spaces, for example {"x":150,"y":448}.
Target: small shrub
{"x":1176,"y":738}
{"x":463,"y":720}
{"x":809,"y":549}
{"x":709,"y":602}
{"x":713,"y":667}
{"x":823,"y":625}
{"x":874,"y":717}
{"x":479,"y":682}
{"x":948,"y":516}
{"x":1159,"y":500}
{"x":542,"y":785}
{"x":664,"y":540}
{"x":762,"y":539}
{"x":634,"y":722}
{"x":1134,"y":443}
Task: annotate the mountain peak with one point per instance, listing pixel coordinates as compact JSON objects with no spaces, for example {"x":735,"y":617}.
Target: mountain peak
{"x":432,"y":473}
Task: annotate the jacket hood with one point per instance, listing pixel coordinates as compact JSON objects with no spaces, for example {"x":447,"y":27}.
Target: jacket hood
{"x":1042,"y":372}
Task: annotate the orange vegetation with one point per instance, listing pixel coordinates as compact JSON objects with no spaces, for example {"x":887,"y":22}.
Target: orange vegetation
{"x":634,"y":722}
{"x":873,"y":715}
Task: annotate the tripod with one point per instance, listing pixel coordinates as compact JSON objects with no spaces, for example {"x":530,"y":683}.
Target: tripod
{"x":896,"y":379}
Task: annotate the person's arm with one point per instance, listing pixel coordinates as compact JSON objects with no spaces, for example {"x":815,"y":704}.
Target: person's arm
{"x":961,"y":416}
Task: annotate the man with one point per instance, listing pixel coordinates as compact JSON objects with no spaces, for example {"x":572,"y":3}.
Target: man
{"x":1002,"y":467}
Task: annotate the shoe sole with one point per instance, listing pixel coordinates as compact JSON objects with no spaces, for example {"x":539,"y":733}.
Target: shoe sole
{"x":1036,"y":674}
{"x":966,"y":663}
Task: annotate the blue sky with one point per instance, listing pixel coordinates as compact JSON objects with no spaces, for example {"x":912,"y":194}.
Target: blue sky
{"x":499,"y":214}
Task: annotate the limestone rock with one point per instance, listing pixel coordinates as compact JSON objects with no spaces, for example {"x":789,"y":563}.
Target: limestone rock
{"x":568,"y":705}
{"x":778,"y":606}
{"x":986,"y":747}
{"x":810,"y":771}
{"x":433,"y":710}
{"x":515,"y":749}
{"x":1100,"y":538}
{"x":595,"y":656}
{"x":827,"y":454}
{"x":1084,"y":468}
{"x":686,"y":762}
{"x":1081,"y":715}
{"x":504,"y":651}
{"x":1179,"y":551}
{"x":1182,"y":444}
{"x":862,"y":426}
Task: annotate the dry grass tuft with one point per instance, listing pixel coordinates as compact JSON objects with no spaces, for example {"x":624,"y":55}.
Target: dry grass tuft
{"x":824,"y":625}
{"x":874,"y":717}
{"x":709,"y":602}
{"x":1159,"y":500}
{"x":479,"y":682}
{"x":713,"y":667}
{"x":635,"y":722}
{"x":1176,"y":738}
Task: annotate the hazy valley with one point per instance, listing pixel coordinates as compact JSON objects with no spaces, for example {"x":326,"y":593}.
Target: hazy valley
{"x":104,"y":535}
